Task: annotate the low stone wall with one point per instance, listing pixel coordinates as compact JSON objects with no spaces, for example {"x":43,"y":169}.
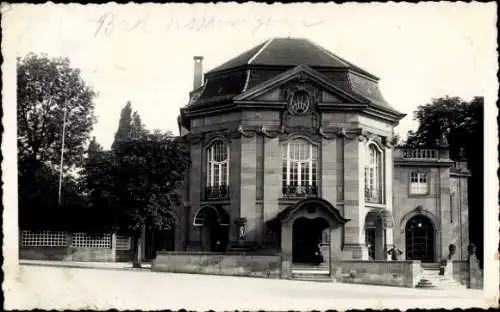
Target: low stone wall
{"x":388,"y":273}
{"x":67,"y":254}
{"x":235,"y":264}
{"x":461,"y":271}
{"x":475,"y":274}
{"x":124,"y":255}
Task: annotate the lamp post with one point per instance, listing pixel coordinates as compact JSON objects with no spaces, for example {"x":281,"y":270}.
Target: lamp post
{"x":62,"y":155}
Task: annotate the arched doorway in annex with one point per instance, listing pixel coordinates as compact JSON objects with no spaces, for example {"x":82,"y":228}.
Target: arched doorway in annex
{"x":421,"y":235}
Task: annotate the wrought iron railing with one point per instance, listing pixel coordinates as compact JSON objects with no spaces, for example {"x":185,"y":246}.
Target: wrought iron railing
{"x":217,"y":192}
{"x":373,"y":195}
{"x":299,"y":191}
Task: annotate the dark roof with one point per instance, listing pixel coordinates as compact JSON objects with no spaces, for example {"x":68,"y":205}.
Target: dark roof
{"x":277,"y":56}
{"x":289,"y":52}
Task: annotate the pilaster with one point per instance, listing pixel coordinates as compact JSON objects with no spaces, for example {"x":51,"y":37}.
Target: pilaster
{"x":463,"y":206}
{"x":195,"y":187}
{"x":259,"y":157}
{"x":388,"y":177}
{"x":272,"y":177}
{"x":234,"y":185}
{"x":340,"y":172}
{"x":388,"y":195}
{"x":329,"y":170}
{"x":248,"y":187}
{"x":353,"y":198}
{"x":447,"y":236}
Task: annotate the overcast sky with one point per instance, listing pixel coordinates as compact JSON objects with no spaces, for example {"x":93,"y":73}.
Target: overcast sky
{"x":143,"y":53}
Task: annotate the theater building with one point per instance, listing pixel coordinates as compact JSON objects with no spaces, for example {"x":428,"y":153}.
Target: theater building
{"x":291,"y":151}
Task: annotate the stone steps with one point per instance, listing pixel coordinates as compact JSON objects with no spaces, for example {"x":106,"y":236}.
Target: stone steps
{"x":325,"y":278}
{"x":311,"y":273}
{"x":430,"y":278}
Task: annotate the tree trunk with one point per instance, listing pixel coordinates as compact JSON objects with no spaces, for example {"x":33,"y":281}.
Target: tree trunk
{"x":137,"y":260}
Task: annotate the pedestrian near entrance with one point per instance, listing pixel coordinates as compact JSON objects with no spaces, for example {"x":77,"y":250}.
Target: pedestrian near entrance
{"x":318,"y":257}
{"x":395,"y":253}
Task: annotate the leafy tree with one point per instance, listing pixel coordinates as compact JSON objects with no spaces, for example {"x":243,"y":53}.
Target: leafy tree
{"x":38,"y":198}
{"x":461,"y":123}
{"x":457,"y":120}
{"x":46,"y":88}
{"x":130,"y":126}
{"x":137,"y":183}
{"x":123,"y":132}
{"x":137,"y":129}
{"x":396,"y":139}
{"x":94,"y":148}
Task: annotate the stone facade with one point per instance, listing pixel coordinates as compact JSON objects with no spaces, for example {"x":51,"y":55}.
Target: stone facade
{"x":355,"y":179}
{"x":445,"y":203}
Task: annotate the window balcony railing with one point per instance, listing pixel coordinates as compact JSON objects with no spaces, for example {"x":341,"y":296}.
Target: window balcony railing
{"x":373,"y":195}
{"x":218,"y":192}
{"x":299,"y":191}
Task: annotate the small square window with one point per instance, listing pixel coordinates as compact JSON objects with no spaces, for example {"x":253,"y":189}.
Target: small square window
{"x":418,"y":183}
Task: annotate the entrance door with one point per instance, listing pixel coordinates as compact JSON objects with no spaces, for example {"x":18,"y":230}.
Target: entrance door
{"x":419,"y":239}
{"x":307,"y":236}
{"x":214,"y":236}
{"x":370,"y":242}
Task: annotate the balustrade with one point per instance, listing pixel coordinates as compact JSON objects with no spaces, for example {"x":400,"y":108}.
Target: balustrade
{"x":417,"y":153}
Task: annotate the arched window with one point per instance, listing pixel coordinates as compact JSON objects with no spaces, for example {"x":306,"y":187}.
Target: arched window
{"x":217,"y":170}
{"x":300,"y":165}
{"x":373,"y":174}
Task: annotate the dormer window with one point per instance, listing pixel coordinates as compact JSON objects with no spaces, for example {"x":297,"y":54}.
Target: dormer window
{"x":217,"y":170}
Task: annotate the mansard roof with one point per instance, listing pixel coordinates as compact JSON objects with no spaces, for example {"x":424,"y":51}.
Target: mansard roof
{"x":289,"y":52}
{"x":276,"y":57}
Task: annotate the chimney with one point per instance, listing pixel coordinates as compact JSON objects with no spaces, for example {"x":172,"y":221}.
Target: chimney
{"x":198,"y":72}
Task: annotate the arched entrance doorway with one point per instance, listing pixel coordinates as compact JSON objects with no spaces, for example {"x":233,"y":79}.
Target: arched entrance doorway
{"x":308,"y":238}
{"x":304,"y":225}
{"x":419,"y":237}
{"x":213,"y":223}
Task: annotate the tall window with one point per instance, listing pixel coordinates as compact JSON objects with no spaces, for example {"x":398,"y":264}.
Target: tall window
{"x":217,"y":170}
{"x":373,"y":175}
{"x":418,"y":183}
{"x":299,"y":164}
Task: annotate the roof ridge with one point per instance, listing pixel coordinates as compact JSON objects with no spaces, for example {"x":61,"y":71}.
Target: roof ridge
{"x":327,"y":52}
{"x":260,"y":51}
{"x":343,"y":61}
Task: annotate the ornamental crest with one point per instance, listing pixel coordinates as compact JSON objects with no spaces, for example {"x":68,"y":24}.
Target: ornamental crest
{"x":301,"y":96}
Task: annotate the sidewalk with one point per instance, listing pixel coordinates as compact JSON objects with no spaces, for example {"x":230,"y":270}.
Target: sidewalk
{"x":146,"y":266}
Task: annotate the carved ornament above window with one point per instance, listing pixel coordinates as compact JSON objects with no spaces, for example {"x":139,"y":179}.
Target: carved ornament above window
{"x":300,"y":103}
{"x":301,"y":95}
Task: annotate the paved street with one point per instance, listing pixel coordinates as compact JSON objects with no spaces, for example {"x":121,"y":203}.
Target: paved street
{"x":118,"y":286}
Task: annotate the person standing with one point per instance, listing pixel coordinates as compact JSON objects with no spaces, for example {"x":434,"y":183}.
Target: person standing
{"x":395,"y":253}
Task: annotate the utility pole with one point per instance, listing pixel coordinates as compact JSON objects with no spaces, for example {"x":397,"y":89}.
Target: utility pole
{"x":62,"y":155}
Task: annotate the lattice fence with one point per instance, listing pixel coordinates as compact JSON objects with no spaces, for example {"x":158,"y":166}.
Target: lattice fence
{"x":123,"y":242}
{"x":43,"y":239}
{"x":83,"y":240}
